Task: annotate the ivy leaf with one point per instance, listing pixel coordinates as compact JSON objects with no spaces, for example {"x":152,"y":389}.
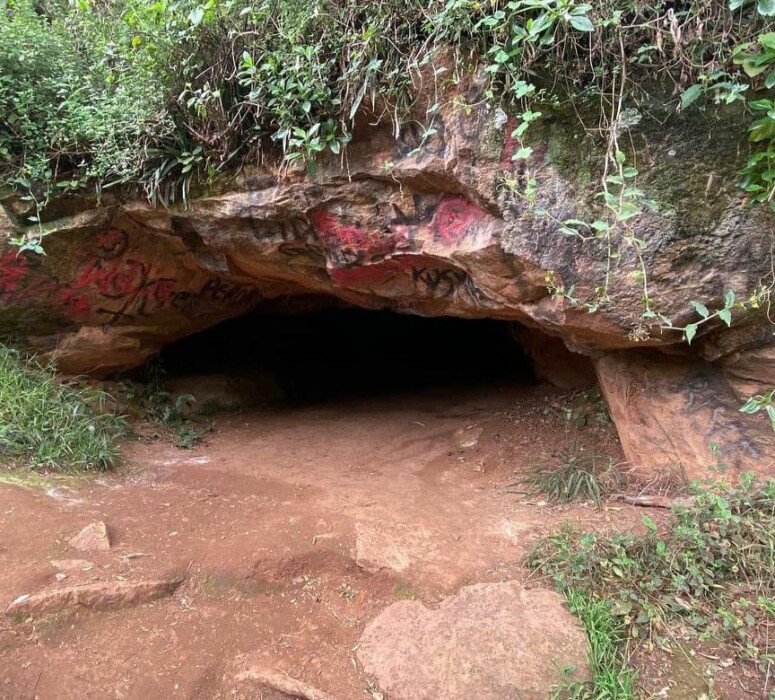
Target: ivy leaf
{"x":581,"y":23}
{"x":729,"y":299}
{"x":751,"y":406}
{"x":690,"y":96}
{"x":726,"y":316}
{"x":701,"y":309}
{"x":766,"y":7}
{"x":689,"y":332}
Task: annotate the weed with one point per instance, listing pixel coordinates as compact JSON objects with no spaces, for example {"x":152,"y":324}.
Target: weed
{"x":160,"y":406}
{"x":611,"y":676}
{"x":709,"y":574}
{"x":46,"y":423}
{"x":579,"y":476}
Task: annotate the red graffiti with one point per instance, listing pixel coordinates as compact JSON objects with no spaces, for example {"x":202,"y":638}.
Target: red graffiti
{"x":337,"y":234}
{"x":74,"y":301}
{"x":455,"y":218}
{"x":13,"y":268}
{"x":366,"y":276}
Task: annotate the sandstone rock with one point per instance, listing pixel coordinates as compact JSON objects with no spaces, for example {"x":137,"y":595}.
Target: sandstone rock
{"x":489,"y":642}
{"x":751,"y":372}
{"x":670,"y":412}
{"x":72,"y":565}
{"x":552,"y":360}
{"x":392,"y":546}
{"x":93,"y":538}
{"x":281,"y":682}
{"x":440,"y":236}
{"x":95,"y":596}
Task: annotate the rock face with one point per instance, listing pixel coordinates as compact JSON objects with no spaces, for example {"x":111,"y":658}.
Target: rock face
{"x":675,"y":415}
{"x":489,"y":641}
{"x":433,"y":225}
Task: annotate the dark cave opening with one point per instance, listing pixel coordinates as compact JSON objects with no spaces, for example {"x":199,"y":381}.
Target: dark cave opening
{"x":312,"y":357}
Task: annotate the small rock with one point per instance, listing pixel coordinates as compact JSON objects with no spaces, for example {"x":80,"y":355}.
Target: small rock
{"x":71,"y":565}
{"x":93,"y":538}
{"x":60,"y":576}
{"x":95,"y":596}
{"x":465,"y":438}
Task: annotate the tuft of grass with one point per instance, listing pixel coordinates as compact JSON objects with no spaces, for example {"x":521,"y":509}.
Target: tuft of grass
{"x":49,"y":424}
{"x":578,"y":476}
{"x":611,"y":676}
{"x":709,"y":574}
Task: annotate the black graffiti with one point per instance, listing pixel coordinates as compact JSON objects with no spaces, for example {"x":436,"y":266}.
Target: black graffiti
{"x":424,"y":207}
{"x":438,"y":282}
{"x":214,"y":293}
{"x":287,"y":230}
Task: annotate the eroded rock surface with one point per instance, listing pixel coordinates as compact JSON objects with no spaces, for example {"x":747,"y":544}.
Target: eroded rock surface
{"x":94,"y":596}
{"x":681,"y":416}
{"x":429,"y":225}
{"x":490,"y":641}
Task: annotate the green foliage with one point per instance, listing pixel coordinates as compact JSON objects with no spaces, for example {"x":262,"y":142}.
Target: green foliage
{"x":612,"y":678}
{"x":761,"y":402}
{"x":578,"y":476}
{"x":47,"y":424}
{"x":710,"y":572}
{"x":173,"y":412}
{"x":168,"y":94}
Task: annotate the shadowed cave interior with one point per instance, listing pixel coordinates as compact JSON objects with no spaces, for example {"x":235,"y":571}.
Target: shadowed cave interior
{"x":326,"y":354}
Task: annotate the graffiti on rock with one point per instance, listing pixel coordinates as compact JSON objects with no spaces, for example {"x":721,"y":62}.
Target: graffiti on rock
{"x":114,"y":285}
{"x":285,"y":231}
{"x":13,"y":268}
{"x":455,"y":219}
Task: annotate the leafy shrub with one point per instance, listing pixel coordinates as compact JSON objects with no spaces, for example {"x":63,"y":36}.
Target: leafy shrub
{"x":47,"y":424}
{"x":170,"y":93}
{"x":712,"y":568}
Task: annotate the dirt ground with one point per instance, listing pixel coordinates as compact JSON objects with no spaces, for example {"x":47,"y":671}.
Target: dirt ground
{"x":291,"y":529}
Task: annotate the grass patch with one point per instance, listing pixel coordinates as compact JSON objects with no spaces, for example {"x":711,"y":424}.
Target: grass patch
{"x":49,"y":424}
{"x":708,"y":576}
{"x":579,"y":475}
{"x":611,"y":676}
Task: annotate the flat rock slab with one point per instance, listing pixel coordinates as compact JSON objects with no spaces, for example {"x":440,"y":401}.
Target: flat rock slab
{"x":93,"y":538}
{"x":489,"y":641}
{"x":95,"y":596}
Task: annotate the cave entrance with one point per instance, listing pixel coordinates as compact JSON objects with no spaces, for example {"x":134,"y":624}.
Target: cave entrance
{"x":312,"y":357}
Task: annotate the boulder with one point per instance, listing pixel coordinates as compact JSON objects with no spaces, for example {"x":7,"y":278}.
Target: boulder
{"x":552,"y":361}
{"x":448,"y":232}
{"x":681,"y":415}
{"x":489,"y":641}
